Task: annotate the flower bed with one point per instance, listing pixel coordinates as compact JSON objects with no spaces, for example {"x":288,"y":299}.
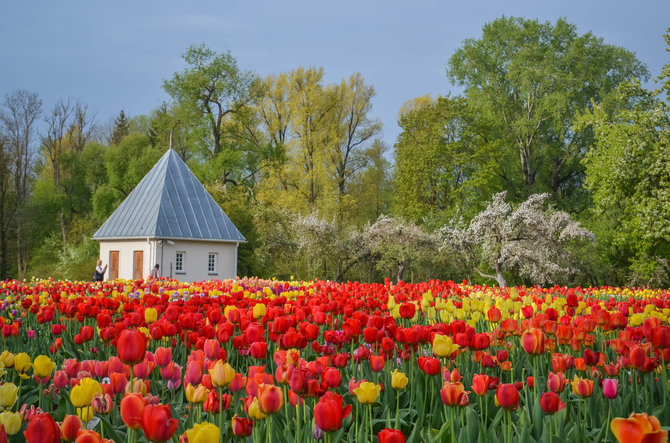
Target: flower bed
{"x":293,"y":361}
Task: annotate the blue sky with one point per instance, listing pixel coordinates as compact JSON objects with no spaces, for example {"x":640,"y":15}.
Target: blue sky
{"x":115,"y":55}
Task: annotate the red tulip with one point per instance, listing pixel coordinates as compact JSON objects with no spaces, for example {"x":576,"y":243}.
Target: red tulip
{"x":550,"y":402}
{"x":481,"y":383}
{"x":377,"y":363}
{"x":507,"y":396}
{"x":391,"y":436}
{"x":157,"y":423}
{"x":429,"y":365}
{"x":131,"y":346}
{"x":258,"y":349}
{"x":242,"y":427}
{"x":332,"y":377}
{"x":42,"y":429}
{"x":163,"y":356}
{"x":328,"y":412}
{"x":556,"y":382}
{"x":407,"y":310}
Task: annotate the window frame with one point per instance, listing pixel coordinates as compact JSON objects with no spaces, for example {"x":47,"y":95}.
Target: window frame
{"x":212,"y":259}
{"x":179,"y":255}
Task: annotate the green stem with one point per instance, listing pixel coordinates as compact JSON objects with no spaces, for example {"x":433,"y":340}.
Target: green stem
{"x":370,"y":415}
{"x":220,"y":413}
{"x":297,"y":420}
{"x":268,"y":429}
{"x":397,"y":409}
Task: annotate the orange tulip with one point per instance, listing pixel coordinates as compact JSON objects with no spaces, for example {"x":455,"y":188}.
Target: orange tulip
{"x":270,"y":398}
{"x":70,"y":427}
{"x":532,"y":341}
{"x":132,"y":406}
{"x":582,"y":386}
{"x":638,"y":428}
{"x":453,"y":394}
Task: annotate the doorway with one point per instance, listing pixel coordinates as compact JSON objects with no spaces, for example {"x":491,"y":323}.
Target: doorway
{"x":138,"y":264}
{"x":113,"y":265}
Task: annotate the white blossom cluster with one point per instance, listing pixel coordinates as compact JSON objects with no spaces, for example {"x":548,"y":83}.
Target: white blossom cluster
{"x":529,"y":239}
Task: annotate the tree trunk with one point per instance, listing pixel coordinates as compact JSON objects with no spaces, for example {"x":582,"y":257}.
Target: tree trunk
{"x":401,"y":270}
{"x":61,"y":216}
{"x":499,"y":275}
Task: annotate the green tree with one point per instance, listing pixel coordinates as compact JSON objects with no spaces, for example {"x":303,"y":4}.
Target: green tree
{"x":434,"y":159}
{"x":524,"y":83}
{"x":126,"y":165}
{"x":210,"y":89}
{"x":628,"y":172}
{"x":121,"y":129}
{"x":322,"y":135}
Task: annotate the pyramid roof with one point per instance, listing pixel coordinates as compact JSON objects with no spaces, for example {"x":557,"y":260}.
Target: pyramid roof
{"x":170,"y":203}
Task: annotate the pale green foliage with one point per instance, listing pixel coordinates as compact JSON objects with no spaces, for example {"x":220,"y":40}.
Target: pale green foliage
{"x":434,"y":160}
{"x":324,"y":132}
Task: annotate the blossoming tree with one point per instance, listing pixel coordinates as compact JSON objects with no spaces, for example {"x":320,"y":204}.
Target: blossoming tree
{"x":530,"y":240}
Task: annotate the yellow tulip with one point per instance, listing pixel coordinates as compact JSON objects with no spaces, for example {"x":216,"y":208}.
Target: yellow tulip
{"x":259,"y":310}
{"x":203,"y":433}
{"x":7,"y":358}
{"x":222,"y":374}
{"x":82,"y":395}
{"x":196,"y":395}
{"x":254,"y":410}
{"x":398,"y":379}
{"x":11,"y":421}
{"x":443,"y":346}
{"x":43,"y":366}
{"x":150,"y":315}
{"x":22,"y":364}
{"x":8,"y":395}
{"x":367,"y":392}
{"x":85,"y":414}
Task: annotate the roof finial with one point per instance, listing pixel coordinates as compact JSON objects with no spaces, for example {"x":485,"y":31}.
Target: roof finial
{"x":170,"y":138}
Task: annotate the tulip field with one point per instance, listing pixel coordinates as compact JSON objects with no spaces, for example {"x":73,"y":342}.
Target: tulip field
{"x":273,"y":361}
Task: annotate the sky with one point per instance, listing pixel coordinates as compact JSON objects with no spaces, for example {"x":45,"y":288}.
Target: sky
{"x":115,"y":55}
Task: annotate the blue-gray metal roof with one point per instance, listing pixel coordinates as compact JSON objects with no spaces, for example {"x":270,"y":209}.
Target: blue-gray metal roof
{"x":169,"y":202}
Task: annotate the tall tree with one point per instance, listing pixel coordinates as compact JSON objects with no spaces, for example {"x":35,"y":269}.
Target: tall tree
{"x":355,"y":129}
{"x":209,"y":89}
{"x":121,"y":129}
{"x":434,"y":159}
{"x":324,"y":132}
{"x":525,"y":81}
{"x":69,"y":129}
{"x":304,"y":180}
{"x":5,"y":205}
{"x":628,"y":171}
{"x":20,"y":111}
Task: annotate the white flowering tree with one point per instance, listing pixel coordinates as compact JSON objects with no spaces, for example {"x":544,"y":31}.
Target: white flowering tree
{"x":530,"y":240}
{"x":395,"y":243}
